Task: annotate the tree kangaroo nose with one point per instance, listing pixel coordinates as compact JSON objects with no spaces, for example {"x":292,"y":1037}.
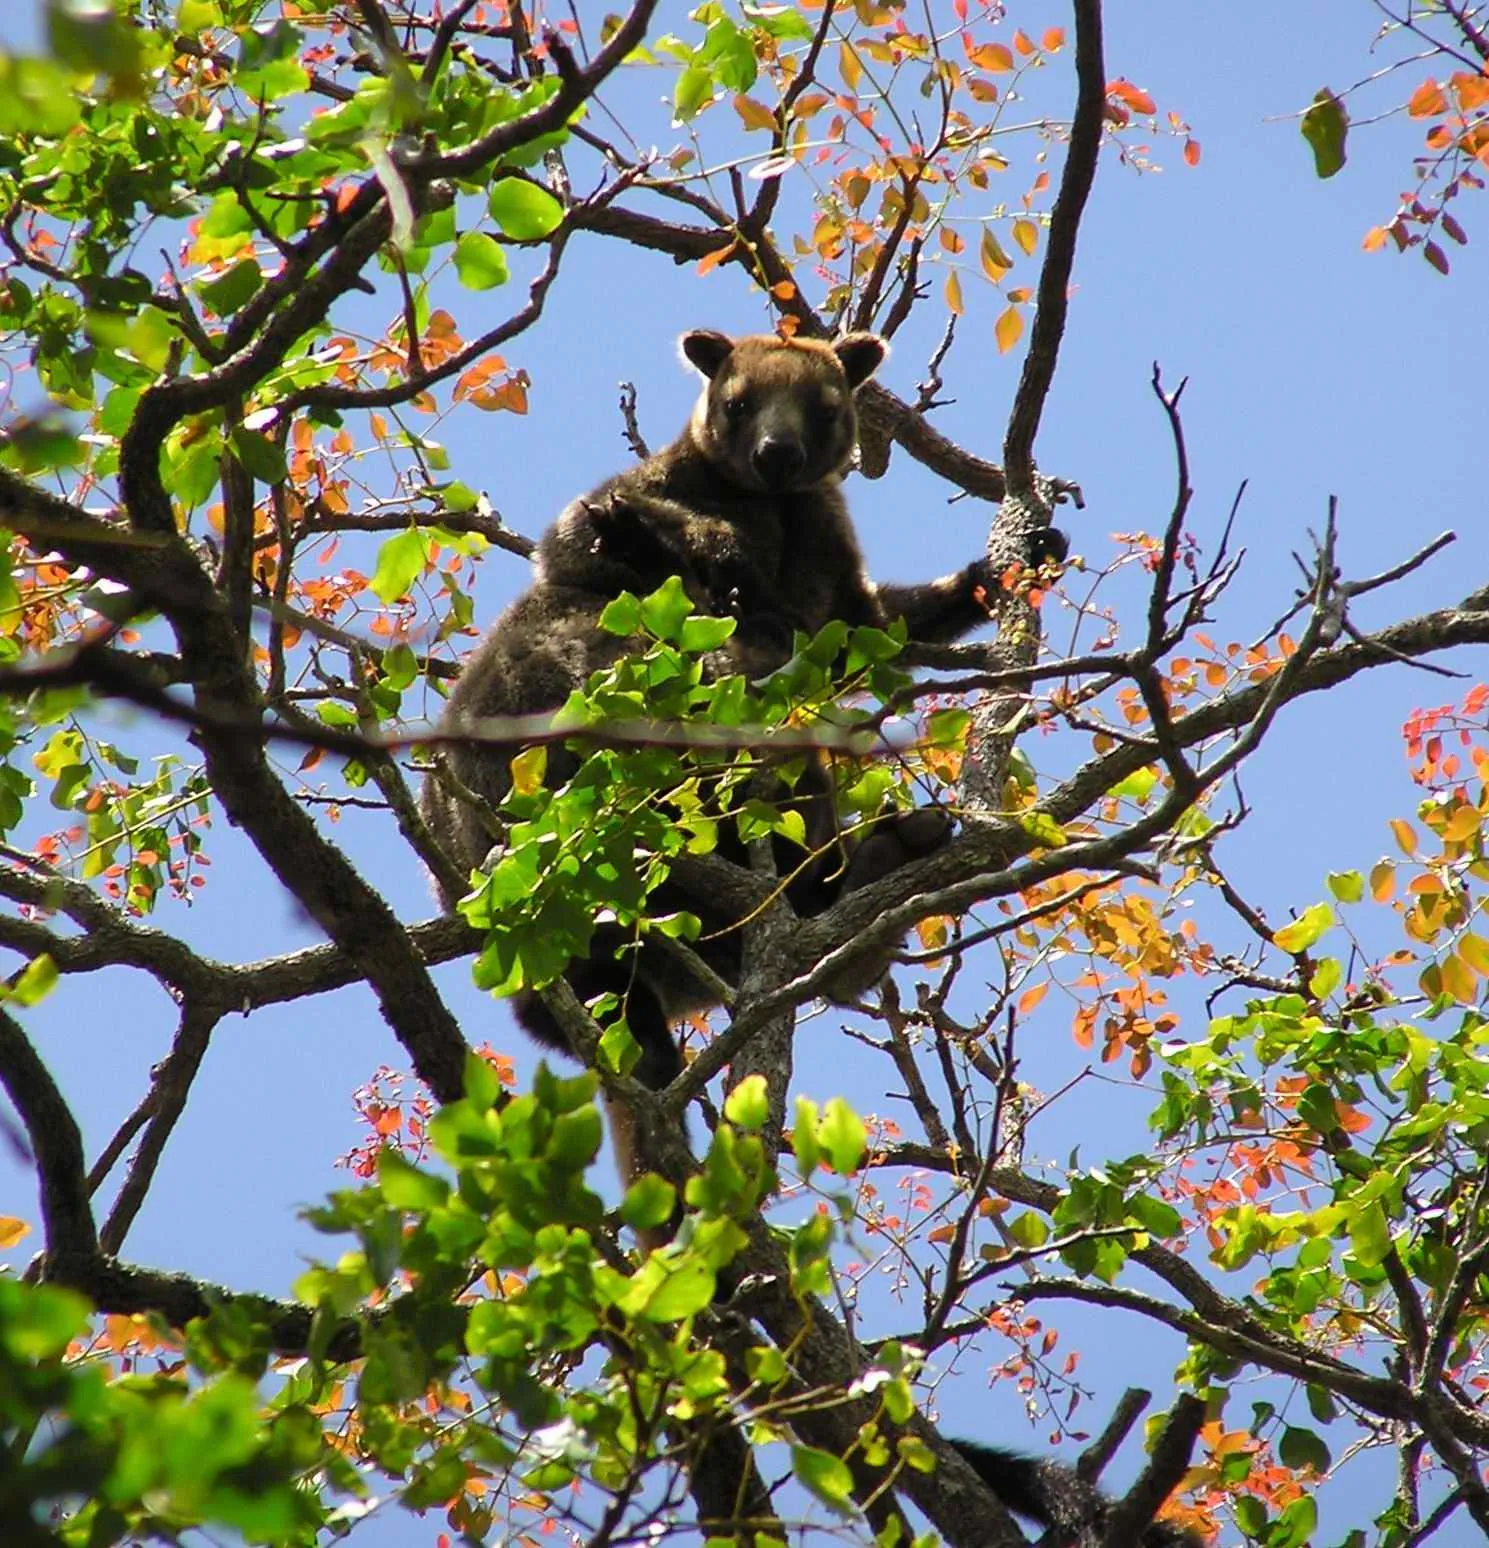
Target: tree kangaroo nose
{"x":778,"y":459}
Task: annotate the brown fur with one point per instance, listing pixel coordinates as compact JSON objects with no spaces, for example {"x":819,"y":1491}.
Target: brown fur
{"x":746,"y":507}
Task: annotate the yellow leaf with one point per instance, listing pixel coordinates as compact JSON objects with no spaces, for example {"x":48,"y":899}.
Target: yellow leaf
{"x":849,"y":66}
{"x":995,"y":262}
{"x":755,"y":114}
{"x":1458,"y":980}
{"x":954,"y":294}
{"x":1375,"y":239}
{"x":1008,"y":330}
{"x":528,"y":769}
{"x":1406,"y":837}
{"x":12,"y":1231}
{"x":934,"y":932}
{"x":1474,"y":950}
{"x":1026,"y":234}
{"x":1382,"y":880}
{"x":1463,"y":824}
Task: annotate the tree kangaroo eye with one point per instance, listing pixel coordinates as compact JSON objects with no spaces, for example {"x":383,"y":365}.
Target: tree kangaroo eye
{"x":736,"y":406}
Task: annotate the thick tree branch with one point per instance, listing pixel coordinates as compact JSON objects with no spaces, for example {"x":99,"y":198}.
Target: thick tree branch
{"x":56,"y":1144}
{"x":1054,"y":277}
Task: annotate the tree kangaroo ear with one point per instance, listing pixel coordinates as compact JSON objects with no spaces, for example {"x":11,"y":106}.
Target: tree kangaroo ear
{"x":860,"y":355}
{"x":705,"y":349}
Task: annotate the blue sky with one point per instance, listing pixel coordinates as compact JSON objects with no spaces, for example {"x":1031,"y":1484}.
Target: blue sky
{"x":1315,"y":370}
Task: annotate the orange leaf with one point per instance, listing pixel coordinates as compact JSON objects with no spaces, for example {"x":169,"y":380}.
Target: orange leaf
{"x":12,"y":1230}
{"x":1022,"y":43}
{"x":1008,"y":330}
{"x":942,"y":1233}
{"x":1382,"y":880}
{"x":1133,"y":96}
{"x":988,"y":56}
{"x":1026,"y":234}
{"x":1053,"y":39}
{"x":1427,"y":101}
{"x":1375,"y":238}
{"x":710,"y":261}
{"x":754,"y":114}
{"x":1032,"y":996}
{"x":1472,"y":91}
{"x":1191,"y":153}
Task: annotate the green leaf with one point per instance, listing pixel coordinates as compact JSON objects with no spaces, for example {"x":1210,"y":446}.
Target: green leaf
{"x":842,"y":1136}
{"x":576,"y":1138}
{"x":666,"y":609}
{"x":36,"y":982}
{"x":947,"y":727}
{"x":1347,"y":886}
{"x":1304,"y":1448}
{"x":668,"y":1289}
{"x":826,"y":1476}
{"x":648,"y":1203}
{"x":1370,"y":1235}
{"x":400,"y":561}
{"x":1296,"y":1523}
{"x":1029,"y":1229}
{"x":1138,"y":785}
{"x":1308,"y":928}
{"x":524,"y":211}
{"x":694,"y":88}
{"x":227,"y":292}
{"x":405,"y":1186}
{"x":1316,"y":1107}
{"x":1325,"y":126}
{"x":748,"y":1105}
{"x":622,"y":616}
{"x":480,"y":261}
{"x":698,"y":635}
{"x":267,"y":64}
{"x":1156,"y":1217}
{"x":804,"y":1137}
{"x":1043,"y":829}
{"x":1326,"y":978}
{"x":262,"y":457}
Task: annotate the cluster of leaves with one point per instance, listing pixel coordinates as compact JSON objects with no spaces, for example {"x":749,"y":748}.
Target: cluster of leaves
{"x":1454,"y":158}
{"x":473,"y":1295}
{"x":110,"y":1457}
{"x":599,"y":845}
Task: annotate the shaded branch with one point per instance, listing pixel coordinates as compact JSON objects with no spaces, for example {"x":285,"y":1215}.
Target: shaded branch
{"x":56,"y":1144}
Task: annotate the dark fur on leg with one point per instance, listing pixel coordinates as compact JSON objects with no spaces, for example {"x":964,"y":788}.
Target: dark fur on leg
{"x":1056,"y":1496}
